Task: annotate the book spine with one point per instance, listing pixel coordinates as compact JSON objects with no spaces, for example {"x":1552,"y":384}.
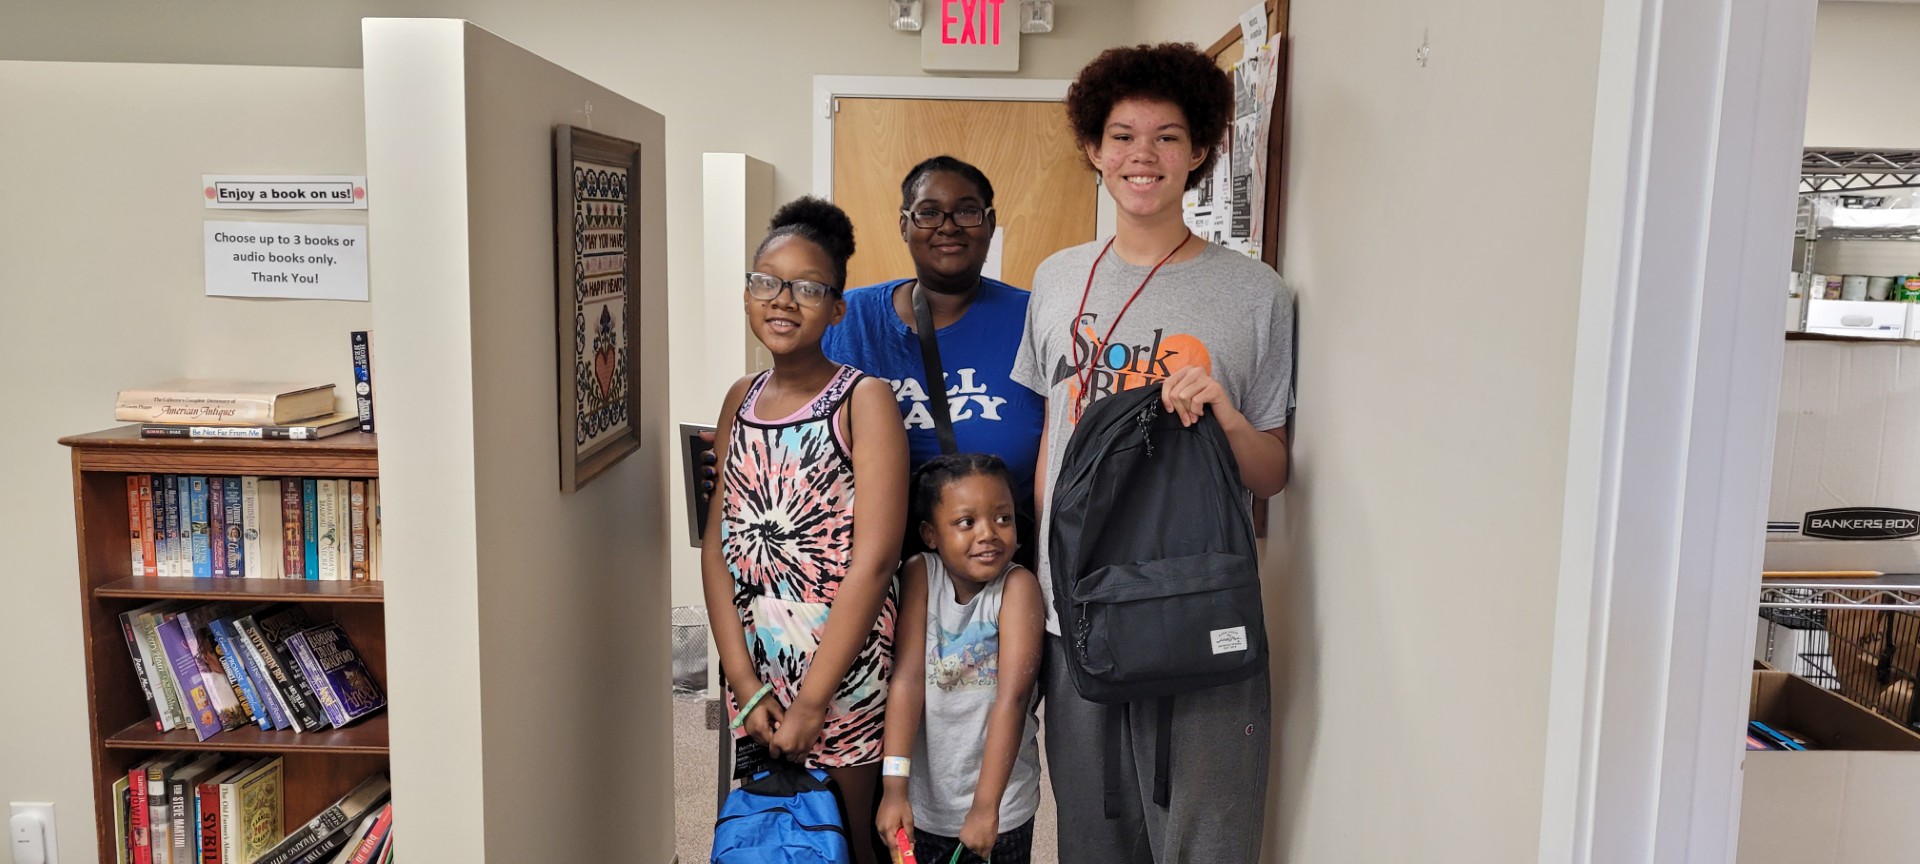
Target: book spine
{"x":257,"y":674}
{"x":233,"y":528}
{"x":230,"y":826}
{"x":165,"y":690}
{"x":186,"y":674}
{"x":291,"y":532}
{"x":123,"y":823}
{"x":284,"y":682}
{"x":197,"y":520}
{"x":310,"y":526}
{"x":138,"y":830}
{"x":325,"y":501}
{"x":217,"y":525}
{"x":183,"y":828}
{"x":140,"y":668}
{"x":234,"y":663}
{"x":273,"y":557}
{"x":150,"y":566}
{"x":171,"y":518}
{"x":208,"y":809}
{"x":363,"y":377}
{"x":375,"y":837}
{"x":157,"y":842}
{"x":187,"y":409}
{"x":357,"y":528}
{"x":162,"y":550}
{"x":250,"y":527}
{"x":135,"y":532}
{"x":157,"y":431}
{"x":374,"y":543}
{"x":184,"y":548}
{"x":317,"y":679}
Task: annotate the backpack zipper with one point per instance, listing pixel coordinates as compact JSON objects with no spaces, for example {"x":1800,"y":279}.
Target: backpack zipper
{"x":796,"y":820}
{"x":1145,"y":418}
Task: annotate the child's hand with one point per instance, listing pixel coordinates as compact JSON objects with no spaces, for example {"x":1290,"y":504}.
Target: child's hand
{"x":895,"y":814}
{"x":980,"y":831}
{"x":763,"y":721}
{"x":797,"y":730}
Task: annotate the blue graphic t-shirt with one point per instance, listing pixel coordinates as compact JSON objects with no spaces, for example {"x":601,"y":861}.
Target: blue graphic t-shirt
{"x":991,"y":413}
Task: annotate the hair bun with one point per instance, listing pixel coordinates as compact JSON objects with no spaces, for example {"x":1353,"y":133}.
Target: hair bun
{"x":817,"y":220}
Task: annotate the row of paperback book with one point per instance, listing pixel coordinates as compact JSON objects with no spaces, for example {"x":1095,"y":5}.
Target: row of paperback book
{"x":210,"y":808}
{"x":217,"y":666}
{"x":185,"y":526}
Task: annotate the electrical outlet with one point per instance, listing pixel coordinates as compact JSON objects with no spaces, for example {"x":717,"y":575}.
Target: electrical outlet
{"x":31,"y":836}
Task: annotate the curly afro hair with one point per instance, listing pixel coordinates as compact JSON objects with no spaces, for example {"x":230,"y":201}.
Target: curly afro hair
{"x":819,"y":222}
{"x":1175,"y":72}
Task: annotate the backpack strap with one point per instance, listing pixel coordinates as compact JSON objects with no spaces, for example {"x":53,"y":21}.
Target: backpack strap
{"x":1110,"y":771}
{"x":936,"y":374}
{"x":1163,"y":752}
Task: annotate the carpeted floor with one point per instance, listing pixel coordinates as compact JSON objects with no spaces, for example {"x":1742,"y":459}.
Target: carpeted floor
{"x":695,"y":763}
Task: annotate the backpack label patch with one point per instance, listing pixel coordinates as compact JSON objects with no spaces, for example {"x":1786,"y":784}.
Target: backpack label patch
{"x":1229,"y":640}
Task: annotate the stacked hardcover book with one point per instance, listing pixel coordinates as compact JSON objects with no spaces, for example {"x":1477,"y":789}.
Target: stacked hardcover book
{"x":201,"y":408}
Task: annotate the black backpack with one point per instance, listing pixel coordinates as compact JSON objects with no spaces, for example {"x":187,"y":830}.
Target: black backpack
{"x":1155,"y":573}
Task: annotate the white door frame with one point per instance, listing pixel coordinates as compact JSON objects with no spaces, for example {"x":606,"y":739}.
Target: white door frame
{"x":1697,"y":135}
{"x":826,"y":88}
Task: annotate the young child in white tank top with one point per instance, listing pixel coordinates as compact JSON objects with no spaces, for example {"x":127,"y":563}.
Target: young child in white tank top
{"x":962,"y":766}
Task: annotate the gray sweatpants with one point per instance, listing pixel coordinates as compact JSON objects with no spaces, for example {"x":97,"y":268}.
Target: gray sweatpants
{"x":1217,"y":805}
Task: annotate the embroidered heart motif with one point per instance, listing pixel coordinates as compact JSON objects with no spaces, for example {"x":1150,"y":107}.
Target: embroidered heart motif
{"x":603,"y":368}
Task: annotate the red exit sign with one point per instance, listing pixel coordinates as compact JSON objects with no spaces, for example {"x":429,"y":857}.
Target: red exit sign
{"x":971,"y":36}
{"x":970,"y":22}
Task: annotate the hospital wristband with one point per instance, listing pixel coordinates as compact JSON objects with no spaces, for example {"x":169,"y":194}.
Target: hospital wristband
{"x":746,"y":710}
{"x":896,"y":766}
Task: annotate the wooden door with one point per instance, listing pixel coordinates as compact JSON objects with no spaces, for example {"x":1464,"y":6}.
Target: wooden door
{"x":1044,"y":195}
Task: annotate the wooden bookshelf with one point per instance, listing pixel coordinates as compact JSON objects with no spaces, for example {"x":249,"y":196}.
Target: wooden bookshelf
{"x":320,"y":766}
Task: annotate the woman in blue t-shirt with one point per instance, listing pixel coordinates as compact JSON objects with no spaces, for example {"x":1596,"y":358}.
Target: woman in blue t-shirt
{"x":947,"y":220}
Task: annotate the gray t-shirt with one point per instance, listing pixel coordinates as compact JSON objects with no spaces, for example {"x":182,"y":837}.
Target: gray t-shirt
{"x":1221,"y":309}
{"x":963,"y":680}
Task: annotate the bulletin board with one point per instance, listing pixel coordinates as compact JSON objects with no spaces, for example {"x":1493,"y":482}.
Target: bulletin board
{"x":1229,"y":51}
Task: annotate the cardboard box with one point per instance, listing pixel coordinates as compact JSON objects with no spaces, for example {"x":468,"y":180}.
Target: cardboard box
{"x":1852,"y":802}
{"x":1846,"y":464}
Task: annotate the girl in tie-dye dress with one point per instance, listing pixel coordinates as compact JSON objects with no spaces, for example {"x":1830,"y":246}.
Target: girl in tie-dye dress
{"x":799,"y":591}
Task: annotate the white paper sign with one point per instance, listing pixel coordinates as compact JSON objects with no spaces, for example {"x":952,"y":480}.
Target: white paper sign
{"x":996,"y":249}
{"x":1253,"y":27}
{"x":286,"y":259}
{"x":268,"y":192}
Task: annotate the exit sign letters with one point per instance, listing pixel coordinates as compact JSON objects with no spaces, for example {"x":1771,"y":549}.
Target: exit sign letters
{"x":970,"y":36}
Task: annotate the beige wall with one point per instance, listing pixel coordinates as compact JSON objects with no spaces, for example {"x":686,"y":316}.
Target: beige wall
{"x":1861,"y":92}
{"x":545,"y":663}
{"x":729,"y":77}
{"x":1434,"y":237}
{"x":101,"y":289}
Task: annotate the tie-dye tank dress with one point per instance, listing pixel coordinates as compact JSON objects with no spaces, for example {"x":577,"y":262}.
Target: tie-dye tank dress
{"x":787,"y":536}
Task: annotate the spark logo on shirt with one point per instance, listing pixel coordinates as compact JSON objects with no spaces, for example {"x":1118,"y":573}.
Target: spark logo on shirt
{"x":966,"y":400}
{"x":1119,"y":366}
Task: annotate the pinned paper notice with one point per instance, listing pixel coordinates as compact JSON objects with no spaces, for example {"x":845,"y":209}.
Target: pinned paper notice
{"x":998,"y":245}
{"x":270,"y":192}
{"x":287,"y":260}
{"x":1253,"y":28}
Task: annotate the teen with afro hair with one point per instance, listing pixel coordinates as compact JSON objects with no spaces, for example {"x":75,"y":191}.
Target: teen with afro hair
{"x":1153,"y":304}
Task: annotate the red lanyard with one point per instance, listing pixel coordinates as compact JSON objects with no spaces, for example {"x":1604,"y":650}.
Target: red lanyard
{"x":1086,"y":378}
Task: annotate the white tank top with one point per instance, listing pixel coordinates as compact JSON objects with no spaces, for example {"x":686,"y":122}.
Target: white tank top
{"x":963,"y":676}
